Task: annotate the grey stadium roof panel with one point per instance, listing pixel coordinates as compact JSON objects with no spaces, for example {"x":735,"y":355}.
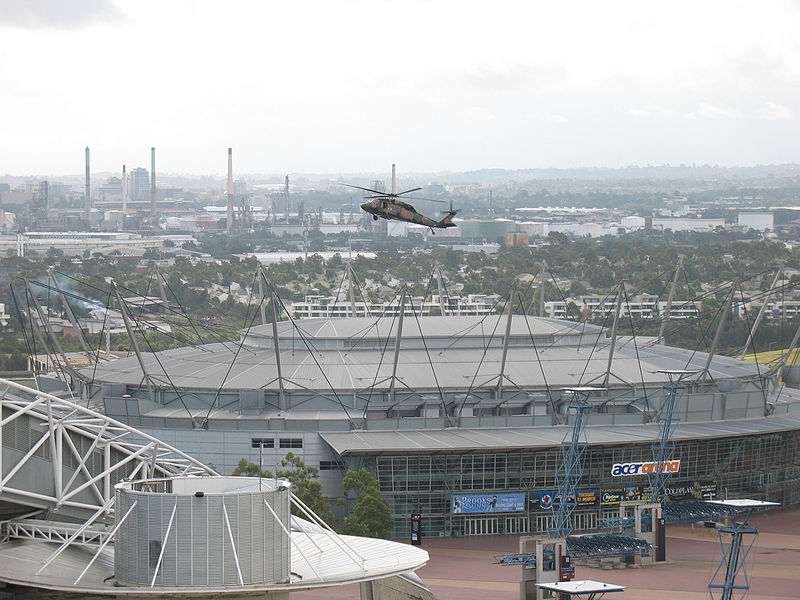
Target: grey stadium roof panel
{"x":504,"y":439}
{"x":465,"y":351}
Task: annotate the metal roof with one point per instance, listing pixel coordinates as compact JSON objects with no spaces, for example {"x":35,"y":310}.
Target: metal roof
{"x":461,"y":358}
{"x":516,"y":438}
{"x":20,"y":560}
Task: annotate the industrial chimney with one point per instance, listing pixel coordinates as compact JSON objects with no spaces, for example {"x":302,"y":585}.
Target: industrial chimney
{"x":286,"y":199}
{"x":88,"y":192}
{"x":153,"y":187}
{"x":124,"y":196}
{"x":230,"y":190}
{"x":394,"y":179}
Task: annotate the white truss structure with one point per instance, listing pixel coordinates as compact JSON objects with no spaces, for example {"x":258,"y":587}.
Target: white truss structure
{"x":126,"y":452}
{"x":57,"y":457}
{"x":52,"y":531}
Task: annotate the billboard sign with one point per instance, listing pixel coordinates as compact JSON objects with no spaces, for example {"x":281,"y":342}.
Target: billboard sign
{"x":693,"y":491}
{"x":546,"y":500}
{"x":487,"y":503}
{"x":610,"y":496}
{"x":644,"y":468}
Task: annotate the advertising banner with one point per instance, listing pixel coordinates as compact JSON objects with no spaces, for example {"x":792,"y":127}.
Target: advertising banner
{"x":488,"y":503}
{"x":610,"y":496}
{"x":587,"y":497}
{"x":545,"y":500}
{"x":692,"y":491}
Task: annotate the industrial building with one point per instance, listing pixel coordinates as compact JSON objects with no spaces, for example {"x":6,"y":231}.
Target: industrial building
{"x":474,"y":409}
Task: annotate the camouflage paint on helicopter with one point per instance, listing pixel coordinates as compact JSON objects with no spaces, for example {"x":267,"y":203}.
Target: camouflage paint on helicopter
{"x":388,"y":205}
{"x":402,"y":211}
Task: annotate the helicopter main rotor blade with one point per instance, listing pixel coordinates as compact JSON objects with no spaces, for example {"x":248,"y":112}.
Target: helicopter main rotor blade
{"x":406,"y":192}
{"x":425,"y":199}
{"x":358,"y":187}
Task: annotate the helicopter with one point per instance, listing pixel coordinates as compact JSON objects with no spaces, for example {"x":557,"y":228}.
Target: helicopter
{"x":390,"y":205}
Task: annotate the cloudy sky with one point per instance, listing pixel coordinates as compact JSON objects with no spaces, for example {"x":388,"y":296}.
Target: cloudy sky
{"x":354,"y":85}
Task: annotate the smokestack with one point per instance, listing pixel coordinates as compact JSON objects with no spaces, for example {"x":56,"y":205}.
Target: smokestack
{"x":88,"y":192}
{"x":153,"y":186}
{"x":124,"y":196}
{"x":230,"y":190}
{"x":394,"y":180}
{"x":286,"y":199}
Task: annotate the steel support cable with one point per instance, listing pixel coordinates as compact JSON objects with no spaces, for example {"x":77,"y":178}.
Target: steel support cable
{"x":582,"y":323}
{"x":539,"y":360}
{"x":185,"y":314}
{"x":319,"y":366}
{"x":233,"y":360}
{"x":596,"y":342}
{"x":425,"y":296}
{"x":430,"y":361}
{"x":367,"y":308}
{"x":459,"y":335}
{"x":754,"y":298}
{"x":560,"y":293}
{"x":125,"y":289}
{"x":753,"y":342}
{"x":160,"y":364}
{"x":704,"y":335}
{"x":18,"y":310}
{"x":686,"y":323}
{"x":679,"y":327}
{"x":100,"y":341}
{"x":364,"y":332}
{"x":336,"y":298}
{"x":636,"y":347}
{"x":523,"y":295}
{"x":48,"y":347}
{"x":486,"y":347}
{"x":175,"y":338}
{"x":378,"y":370}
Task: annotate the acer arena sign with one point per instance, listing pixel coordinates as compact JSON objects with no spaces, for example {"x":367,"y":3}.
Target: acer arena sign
{"x":644,"y":468}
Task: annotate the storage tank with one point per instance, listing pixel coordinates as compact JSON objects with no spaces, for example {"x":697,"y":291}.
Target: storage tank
{"x":202,"y":531}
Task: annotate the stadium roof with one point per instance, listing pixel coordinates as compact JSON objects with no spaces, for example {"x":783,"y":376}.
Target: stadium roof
{"x":466,"y":352}
{"x":515,"y":438}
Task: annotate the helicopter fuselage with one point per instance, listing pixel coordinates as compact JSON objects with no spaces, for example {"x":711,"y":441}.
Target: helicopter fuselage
{"x":401,"y":211}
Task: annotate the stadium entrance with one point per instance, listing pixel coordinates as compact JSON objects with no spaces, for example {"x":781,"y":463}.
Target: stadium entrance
{"x":481,"y":526}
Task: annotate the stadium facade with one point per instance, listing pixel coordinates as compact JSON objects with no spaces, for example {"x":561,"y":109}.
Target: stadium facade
{"x":461,"y":419}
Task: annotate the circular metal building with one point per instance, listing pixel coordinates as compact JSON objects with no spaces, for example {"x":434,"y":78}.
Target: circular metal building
{"x":440,"y":408}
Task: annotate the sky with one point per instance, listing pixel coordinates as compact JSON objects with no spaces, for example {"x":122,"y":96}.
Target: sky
{"x":351,"y":86}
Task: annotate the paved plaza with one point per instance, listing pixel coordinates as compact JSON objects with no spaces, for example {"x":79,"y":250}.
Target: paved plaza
{"x":462,"y":569}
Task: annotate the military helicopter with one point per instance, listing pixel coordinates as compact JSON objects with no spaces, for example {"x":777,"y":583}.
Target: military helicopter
{"x":389,"y":205}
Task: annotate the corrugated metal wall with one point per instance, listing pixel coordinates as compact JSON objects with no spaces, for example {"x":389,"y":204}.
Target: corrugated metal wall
{"x":199,"y":550}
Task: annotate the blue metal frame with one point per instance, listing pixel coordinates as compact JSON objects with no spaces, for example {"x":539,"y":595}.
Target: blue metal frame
{"x":663,"y":447}
{"x":570,"y":472}
{"x":734,"y":557}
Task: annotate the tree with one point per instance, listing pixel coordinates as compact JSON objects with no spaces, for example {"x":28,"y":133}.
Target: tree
{"x":305,"y":487}
{"x":371,"y":516}
{"x":249,"y":469}
{"x":359,"y":482}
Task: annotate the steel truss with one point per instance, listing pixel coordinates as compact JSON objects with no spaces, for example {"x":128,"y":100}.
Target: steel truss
{"x":570,"y":472}
{"x":67,"y":428}
{"x":735,"y":555}
{"x":51,"y":531}
{"x":664,"y":447}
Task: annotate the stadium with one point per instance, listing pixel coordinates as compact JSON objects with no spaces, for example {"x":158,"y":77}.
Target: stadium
{"x":440,"y":407}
